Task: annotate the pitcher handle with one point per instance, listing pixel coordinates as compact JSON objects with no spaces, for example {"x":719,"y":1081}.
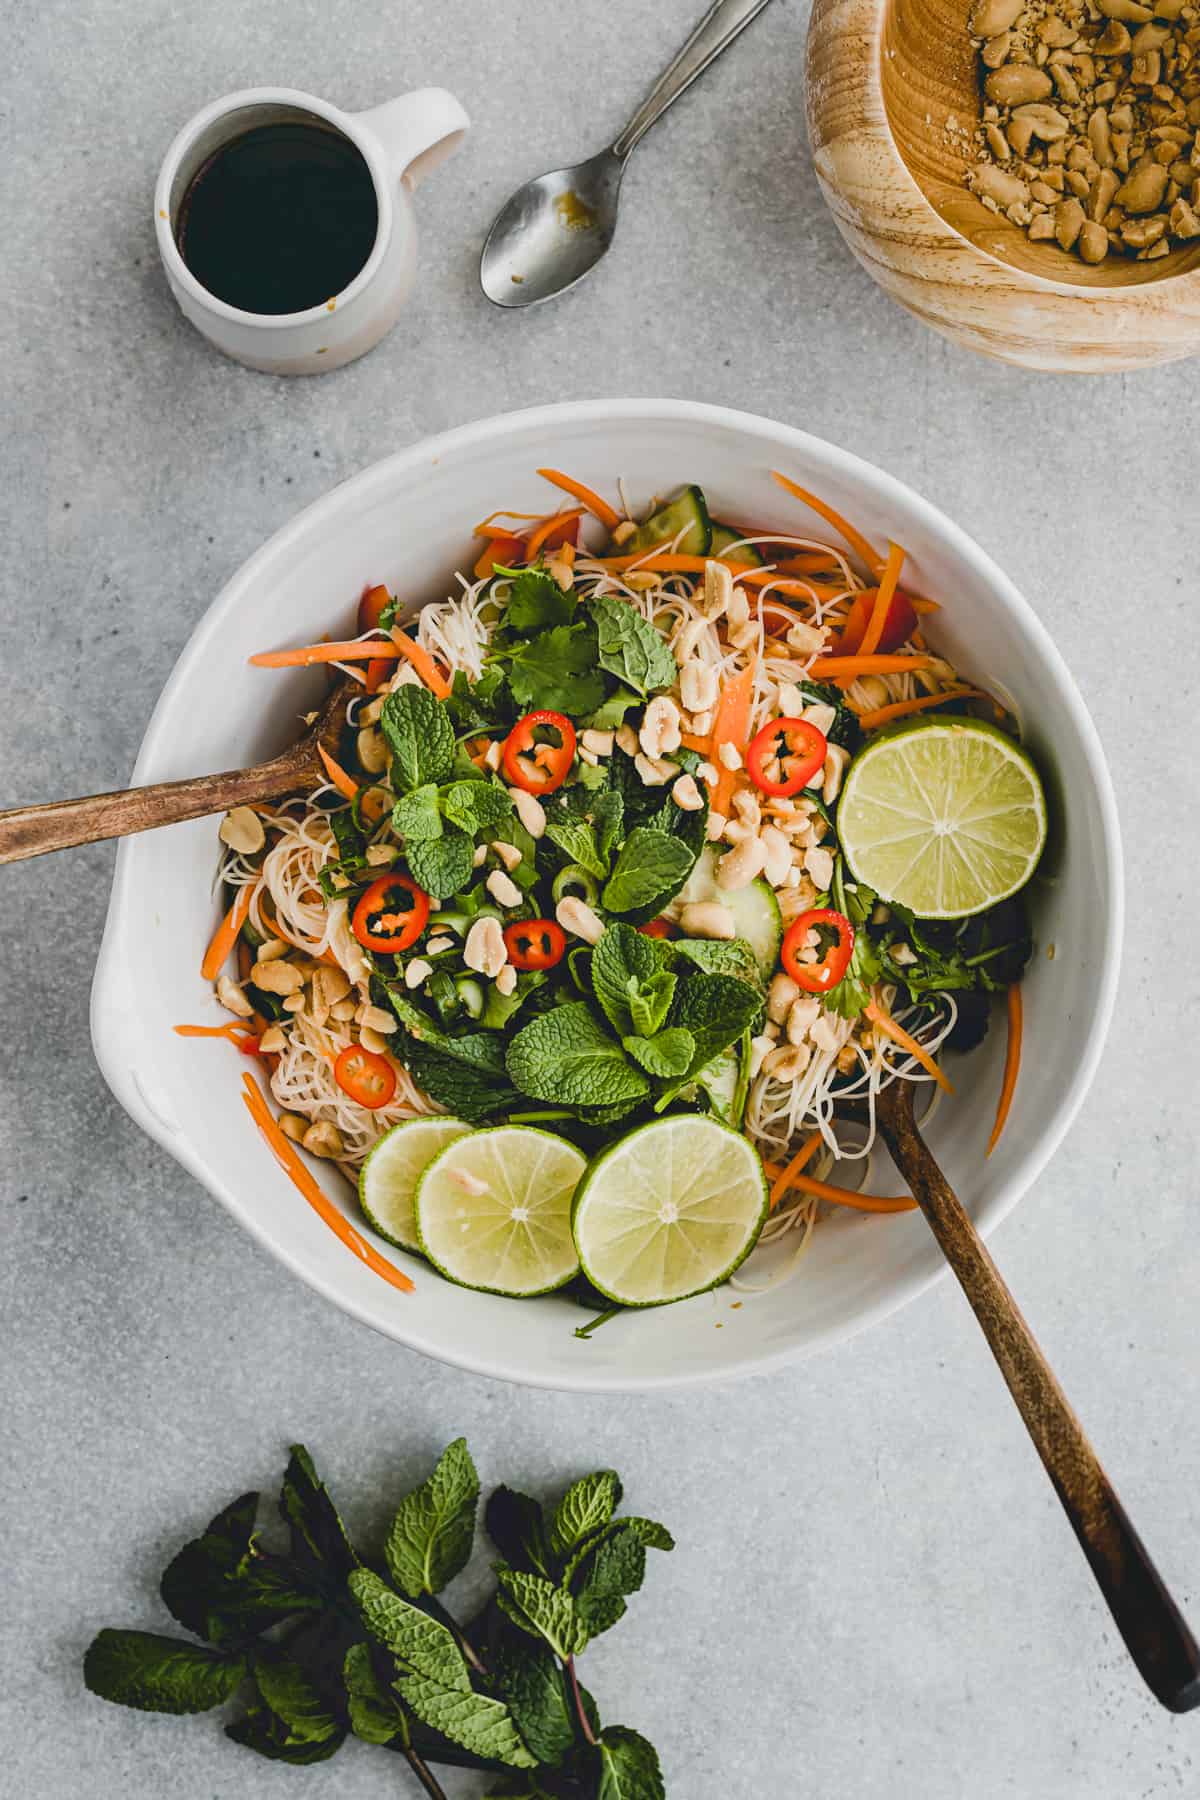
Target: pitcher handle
{"x":417,"y":131}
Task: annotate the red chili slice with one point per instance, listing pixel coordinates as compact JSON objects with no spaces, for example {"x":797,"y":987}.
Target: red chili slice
{"x":369,"y":1080}
{"x":658,"y":928}
{"x":535,"y":943}
{"x":898,"y":626}
{"x":805,"y":751}
{"x":822,"y":976}
{"x":384,"y":921}
{"x":371,"y":606}
{"x":533,"y":764}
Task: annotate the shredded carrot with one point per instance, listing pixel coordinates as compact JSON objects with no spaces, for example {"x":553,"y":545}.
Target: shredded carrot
{"x":225,"y":936}
{"x":690,"y":741}
{"x":1012,"y":1063}
{"x":854,"y":538}
{"x":730,"y":726}
{"x":833,"y":666}
{"x":884,"y":1022}
{"x":502,"y":551}
{"x":786,"y":1176}
{"x":603,"y":511}
{"x":884,"y":594}
{"x":289,"y":1161}
{"x":874,"y":1203}
{"x":422,"y":662}
{"x":540,"y":533}
{"x":900,"y":709}
{"x":485,"y":528}
{"x":344,"y":783}
{"x":358,"y":650}
{"x":245,"y":1039}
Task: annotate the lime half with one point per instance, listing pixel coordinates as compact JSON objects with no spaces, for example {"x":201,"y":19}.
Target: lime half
{"x":669,"y":1211}
{"x":494,"y":1210}
{"x":945,"y":816}
{"x":387,"y":1181}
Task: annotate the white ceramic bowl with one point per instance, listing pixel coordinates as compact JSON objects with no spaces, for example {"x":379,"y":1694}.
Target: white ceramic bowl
{"x":407,"y":522}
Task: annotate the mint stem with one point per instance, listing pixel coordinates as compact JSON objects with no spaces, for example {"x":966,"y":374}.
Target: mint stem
{"x":457,"y":1633}
{"x":420,"y":1769}
{"x":584,"y":1722}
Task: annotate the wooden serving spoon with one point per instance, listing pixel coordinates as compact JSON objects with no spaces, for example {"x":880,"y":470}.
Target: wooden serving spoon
{"x":33,"y":830}
{"x":1155,"y":1631}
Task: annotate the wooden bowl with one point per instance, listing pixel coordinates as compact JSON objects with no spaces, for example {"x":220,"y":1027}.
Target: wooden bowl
{"x":892,"y":97}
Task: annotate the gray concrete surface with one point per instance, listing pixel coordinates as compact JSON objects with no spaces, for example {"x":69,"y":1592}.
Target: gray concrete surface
{"x":874,"y":1596}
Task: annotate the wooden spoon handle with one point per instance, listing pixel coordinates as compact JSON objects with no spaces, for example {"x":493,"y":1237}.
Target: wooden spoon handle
{"x":1154,"y":1630}
{"x":33,"y":830}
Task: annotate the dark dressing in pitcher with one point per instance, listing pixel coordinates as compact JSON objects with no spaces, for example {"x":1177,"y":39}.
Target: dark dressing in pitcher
{"x":279,"y":219}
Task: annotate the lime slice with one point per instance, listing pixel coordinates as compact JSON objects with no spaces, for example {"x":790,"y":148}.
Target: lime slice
{"x":387,"y":1181}
{"x":494,"y":1210}
{"x":669,"y":1211}
{"x":945,"y":816}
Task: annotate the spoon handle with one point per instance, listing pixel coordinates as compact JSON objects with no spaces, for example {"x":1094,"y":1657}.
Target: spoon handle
{"x":715,"y":32}
{"x":1155,"y":1632}
{"x":33,"y":830}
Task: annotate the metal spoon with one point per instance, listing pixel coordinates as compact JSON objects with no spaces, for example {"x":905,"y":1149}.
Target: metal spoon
{"x":558,"y":226}
{"x":1155,"y":1631}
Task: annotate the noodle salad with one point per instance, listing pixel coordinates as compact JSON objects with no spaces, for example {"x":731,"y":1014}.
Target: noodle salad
{"x":637,"y":859}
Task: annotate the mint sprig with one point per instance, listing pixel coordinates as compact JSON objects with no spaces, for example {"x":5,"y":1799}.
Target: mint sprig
{"x":317,"y":1645}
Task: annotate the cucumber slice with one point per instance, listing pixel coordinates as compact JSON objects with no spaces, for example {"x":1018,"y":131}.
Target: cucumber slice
{"x":723,"y":537}
{"x":755,"y":909}
{"x":687,"y":513}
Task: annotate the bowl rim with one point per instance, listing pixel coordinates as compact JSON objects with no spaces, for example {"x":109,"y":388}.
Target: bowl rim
{"x":108,"y":1011}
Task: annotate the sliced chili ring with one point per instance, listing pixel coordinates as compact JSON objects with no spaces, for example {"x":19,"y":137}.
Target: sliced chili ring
{"x":535,"y":943}
{"x":370,"y":607}
{"x":370,"y":1080}
{"x":900,"y":621}
{"x":822,"y":976}
{"x":806,"y":748}
{"x":657,"y":928}
{"x":391,"y":914}
{"x":532,"y":763}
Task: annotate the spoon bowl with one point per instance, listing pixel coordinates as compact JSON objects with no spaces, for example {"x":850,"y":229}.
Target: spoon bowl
{"x":552,"y":232}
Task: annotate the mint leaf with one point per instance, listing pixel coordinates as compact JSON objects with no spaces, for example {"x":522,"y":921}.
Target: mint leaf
{"x":716,"y":1009}
{"x":587,"y":1504}
{"x":319,"y":1541}
{"x":542,"y":1609}
{"x":714,"y":957}
{"x":615,"y":1567}
{"x":222,"y":1587}
{"x":567,"y":1058}
{"x":650,"y":1002}
{"x":415,"y":816}
{"x":515,"y":1525}
{"x":625,"y":962}
{"x":578,"y":840}
{"x":558,"y":671}
{"x":441,"y":865}
{"x":630,"y":647}
{"x":476,"y":805}
{"x":650,"y":869}
{"x":532,"y":1684}
{"x":536,"y":601}
{"x":460,"y":1080}
{"x":159,"y":1674}
{"x":420,"y":737}
{"x":612,"y":714}
{"x":666,"y":1055}
{"x":479,"y":1724}
{"x":629,"y":1767}
{"x":292,"y":1697}
{"x":375,"y":1714}
{"x":264,"y":1732}
{"x":518,"y":1787}
{"x":433,"y":1530}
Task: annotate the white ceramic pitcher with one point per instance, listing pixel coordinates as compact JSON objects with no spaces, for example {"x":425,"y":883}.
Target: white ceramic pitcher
{"x":400,"y":141}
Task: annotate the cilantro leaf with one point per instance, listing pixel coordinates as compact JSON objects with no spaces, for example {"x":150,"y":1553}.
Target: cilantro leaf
{"x":629,"y":1767}
{"x":515,"y":1525}
{"x":588,"y":1504}
{"x":558,"y":671}
{"x":159,"y":1674}
{"x":666,"y":1054}
{"x":475,"y":805}
{"x":566,"y":1057}
{"x":541,"y":1608}
{"x":375,"y":1714}
{"x":612,"y":714}
{"x":431,"y":1535}
{"x":319,"y":1540}
{"x":649,"y":871}
{"x":420,"y":736}
{"x":536,"y":601}
{"x":443,"y":864}
{"x":415,"y":816}
{"x":630,"y":647}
